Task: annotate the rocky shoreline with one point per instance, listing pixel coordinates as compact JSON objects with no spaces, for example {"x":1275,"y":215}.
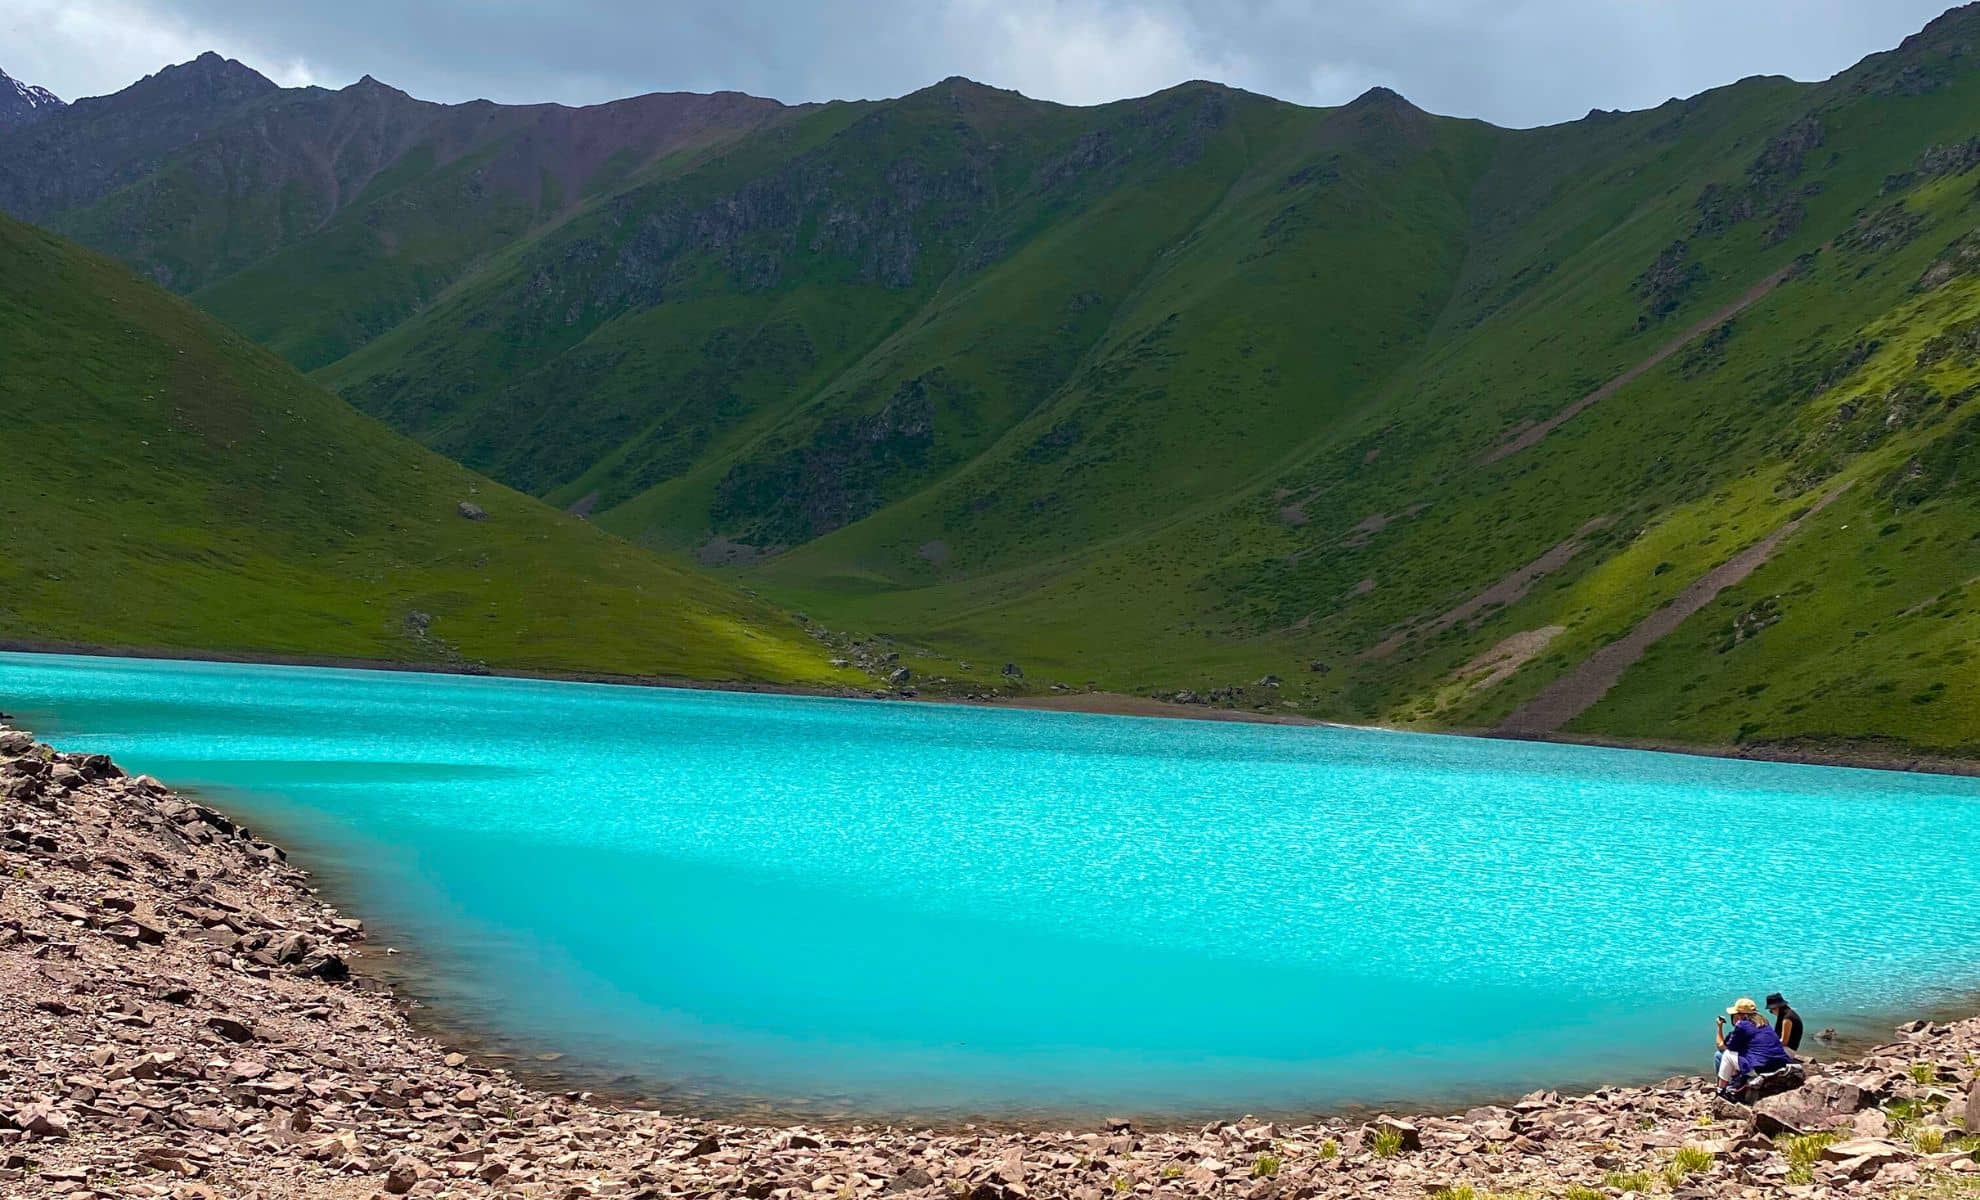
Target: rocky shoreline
{"x":182,"y":1016}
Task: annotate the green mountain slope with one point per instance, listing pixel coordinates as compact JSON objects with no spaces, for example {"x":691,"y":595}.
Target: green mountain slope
{"x":314,"y":219}
{"x":1650,"y":425}
{"x":171,"y":486}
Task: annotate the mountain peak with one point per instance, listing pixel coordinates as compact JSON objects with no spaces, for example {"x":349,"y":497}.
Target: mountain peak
{"x":1381,"y":117}
{"x":212,"y":74}
{"x":369,"y":85}
{"x":1381,"y":97}
{"x":962,"y":86}
{"x":23,"y":103}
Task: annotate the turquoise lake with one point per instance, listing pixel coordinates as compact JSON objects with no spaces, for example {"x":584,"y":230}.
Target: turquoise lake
{"x":841,"y":906}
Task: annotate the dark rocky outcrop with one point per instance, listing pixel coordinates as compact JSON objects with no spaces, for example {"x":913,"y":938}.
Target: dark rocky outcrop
{"x":1669,"y":281}
{"x":1960,"y":258}
{"x":84,"y":150}
{"x":1769,"y":188}
{"x":847,"y":470}
{"x":23,"y":104}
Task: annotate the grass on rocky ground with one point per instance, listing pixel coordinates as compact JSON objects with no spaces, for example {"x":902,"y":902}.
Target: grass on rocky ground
{"x":1686,"y":1162}
{"x":1803,"y":1152}
{"x":1386,"y":1143}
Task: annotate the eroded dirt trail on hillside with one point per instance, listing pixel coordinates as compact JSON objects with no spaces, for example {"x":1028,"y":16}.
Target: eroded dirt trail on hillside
{"x":1574,"y":693}
{"x":1533,"y":435}
{"x":1504,"y":593}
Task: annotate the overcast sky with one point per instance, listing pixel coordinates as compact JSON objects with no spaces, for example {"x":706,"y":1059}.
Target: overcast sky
{"x":1516,"y":62}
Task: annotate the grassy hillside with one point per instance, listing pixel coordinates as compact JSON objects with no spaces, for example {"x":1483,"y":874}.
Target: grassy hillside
{"x":1649,"y":425}
{"x":170,"y":485}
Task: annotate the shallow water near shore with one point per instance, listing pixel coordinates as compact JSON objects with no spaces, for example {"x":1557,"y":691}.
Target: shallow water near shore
{"x":846,"y":906}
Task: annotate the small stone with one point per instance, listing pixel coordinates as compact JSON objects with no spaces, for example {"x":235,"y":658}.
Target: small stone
{"x":330,"y":968}
{"x":42,"y":1121}
{"x":1864,"y":1157}
{"x":133,"y":932}
{"x":404,"y":1175}
{"x":171,"y":1164}
{"x":230,"y":1029}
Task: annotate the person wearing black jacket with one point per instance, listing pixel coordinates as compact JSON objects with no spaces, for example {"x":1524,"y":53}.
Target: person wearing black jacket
{"x":1787,"y":1022}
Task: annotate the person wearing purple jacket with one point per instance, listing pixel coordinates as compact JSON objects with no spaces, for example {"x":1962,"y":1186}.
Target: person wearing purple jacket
{"x":1749,"y":1046}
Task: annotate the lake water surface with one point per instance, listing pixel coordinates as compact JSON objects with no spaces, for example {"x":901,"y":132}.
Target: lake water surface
{"x":851,"y":906}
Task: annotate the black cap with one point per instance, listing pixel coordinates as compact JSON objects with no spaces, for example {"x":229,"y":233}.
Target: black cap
{"x":1776,"y":1000}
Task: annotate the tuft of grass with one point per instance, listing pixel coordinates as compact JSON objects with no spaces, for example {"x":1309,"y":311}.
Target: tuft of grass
{"x":1387,"y":1143}
{"x":1802,"y":1154}
{"x":1924,"y":1072}
{"x":1928,"y":1139}
{"x":1578,"y":1191}
{"x":1329,"y":1149}
{"x":1266,"y":1166}
{"x":1688,"y":1161}
{"x":1627,"y":1181}
{"x":1456,"y":1191}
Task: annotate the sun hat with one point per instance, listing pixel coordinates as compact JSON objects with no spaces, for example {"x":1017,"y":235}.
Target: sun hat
{"x":1776,"y":1000}
{"x":1744,"y":1006}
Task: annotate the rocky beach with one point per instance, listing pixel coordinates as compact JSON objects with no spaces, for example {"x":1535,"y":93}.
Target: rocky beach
{"x":181,"y":1015}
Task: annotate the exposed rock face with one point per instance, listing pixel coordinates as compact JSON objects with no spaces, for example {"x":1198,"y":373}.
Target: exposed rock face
{"x":846,"y":471}
{"x":1768,"y":190}
{"x":221,"y":1049}
{"x":22,"y":104}
{"x":1668,"y":281}
{"x":87,"y":149}
{"x":1962,"y":257}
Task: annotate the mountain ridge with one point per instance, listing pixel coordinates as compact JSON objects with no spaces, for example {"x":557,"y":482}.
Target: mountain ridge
{"x":1179,"y":393}
{"x":22,"y":104}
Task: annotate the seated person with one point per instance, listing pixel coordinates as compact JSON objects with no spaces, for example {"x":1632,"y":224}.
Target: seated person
{"x":1749,"y":1046}
{"x":1787,"y":1022}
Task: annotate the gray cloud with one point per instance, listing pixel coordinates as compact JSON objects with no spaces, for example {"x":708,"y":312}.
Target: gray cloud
{"x":1515,"y":62}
